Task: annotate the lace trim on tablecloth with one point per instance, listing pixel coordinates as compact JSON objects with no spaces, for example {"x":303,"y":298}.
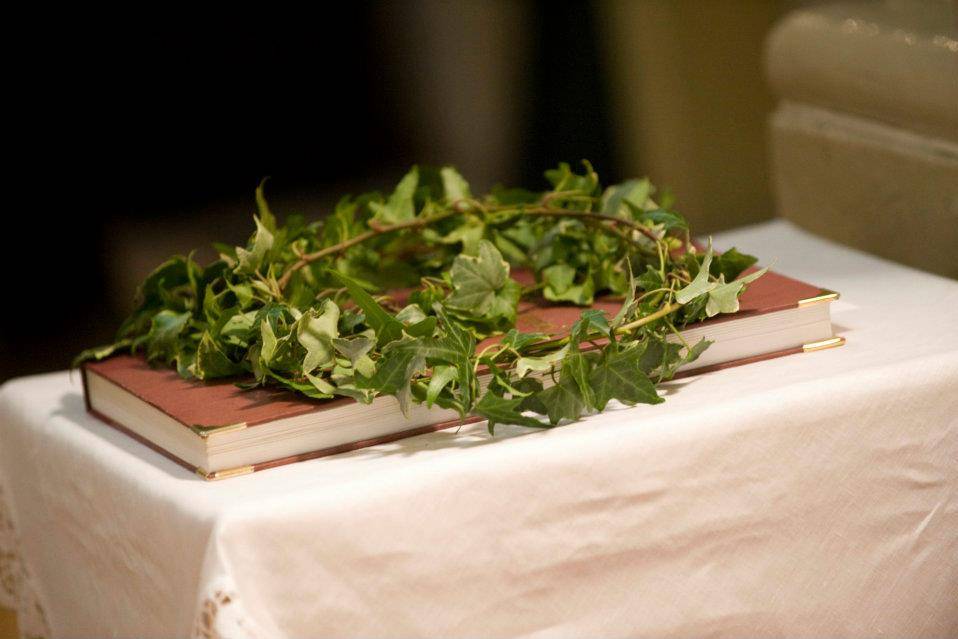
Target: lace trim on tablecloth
{"x":17,"y":591}
{"x":220,"y":615}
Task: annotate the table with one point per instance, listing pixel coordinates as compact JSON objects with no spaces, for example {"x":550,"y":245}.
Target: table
{"x":810,"y":495}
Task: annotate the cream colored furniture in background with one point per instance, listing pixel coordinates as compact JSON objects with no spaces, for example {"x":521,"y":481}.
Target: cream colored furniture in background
{"x":864,"y":142}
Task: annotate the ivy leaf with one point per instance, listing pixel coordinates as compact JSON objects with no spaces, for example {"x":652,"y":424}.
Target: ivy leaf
{"x":355,"y":349}
{"x":424,"y":328}
{"x":674,"y":360}
{"x":315,"y":332}
{"x":165,"y":329}
{"x":560,"y":286}
{"x":481,"y":285}
{"x":399,"y":207}
{"x":361,"y":395}
{"x":308,"y":388}
{"x":562,"y":401}
{"x":668,"y":219}
{"x":464,"y":345}
{"x":212,"y":362}
{"x":697,"y":349}
{"x":563,"y":179}
{"x":723,"y":298}
{"x":410,"y":314}
{"x":499,"y":410}
{"x":152,"y":292}
{"x":618,"y":376}
{"x":470,"y":233}
{"x":262,"y":207}
{"x":542,"y":363}
{"x":251,"y":260}
{"x":591,"y":320}
{"x":387,"y":327}
{"x":700,"y":284}
{"x":100,"y":352}
{"x":395,"y":372}
{"x":460,"y":339}
{"x":650,"y":280}
{"x":634,"y":192}
{"x":576,"y":365}
{"x":441,"y":376}
{"x":731,"y":264}
{"x":454,"y":186}
{"x":321,"y":385}
{"x":517,"y":340}
{"x":651,"y":354}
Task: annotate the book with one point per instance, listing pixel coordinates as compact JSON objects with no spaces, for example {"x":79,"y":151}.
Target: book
{"x":219,"y":430}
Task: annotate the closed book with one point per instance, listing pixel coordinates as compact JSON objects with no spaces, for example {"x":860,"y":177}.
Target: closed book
{"x":220,"y":430}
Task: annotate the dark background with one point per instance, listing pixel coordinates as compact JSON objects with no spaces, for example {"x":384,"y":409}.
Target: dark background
{"x":137,"y":142}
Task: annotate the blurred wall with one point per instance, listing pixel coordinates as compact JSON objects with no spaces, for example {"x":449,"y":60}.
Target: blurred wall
{"x":148,"y":141}
{"x":690,"y":102}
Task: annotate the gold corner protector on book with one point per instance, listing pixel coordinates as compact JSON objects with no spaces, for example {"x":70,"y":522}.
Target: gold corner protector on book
{"x":825,"y":296}
{"x":831,"y":342}
{"x":224,"y":474}
{"x":207,"y":431}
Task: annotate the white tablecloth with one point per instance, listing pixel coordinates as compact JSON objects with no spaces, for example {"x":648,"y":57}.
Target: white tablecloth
{"x":810,"y":495}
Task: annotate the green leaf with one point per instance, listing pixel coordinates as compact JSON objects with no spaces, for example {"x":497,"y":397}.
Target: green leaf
{"x":562,"y":401}
{"x":394,"y":374}
{"x":634,"y":192}
{"x":618,"y":376}
{"x":593,"y":320}
{"x":262,"y":207}
{"x":723,"y":298}
{"x":424,"y":328}
{"x":400,"y":206}
{"x":581,"y":294}
{"x":316,"y":331}
{"x":542,"y":363}
{"x":353,"y":348}
{"x":627,"y":304}
{"x":481,"y":285}
{"x":651,"y":353}
{"x":697,"y":349}
{"x":563,"y":179}
{"x":441,"y":376}
{"x":268,"y":341}
{"x":700,"y":284}
{"x":668,"y":219}
{"x":251,"y":260}
{"x":454,"y":186}
{"x":517,"y":340}
{"x":731,"y":264}
{"x":469,"y":234}
{"x":162,"y":340}
{"x":321,"y":385}
{"x":212,"y":362}
{"x":576,"y":365}
{"x":674,"y":359}
{"x":411,"y":314}
{"x":387,"y":327}
{"x":558,"y":279}
{"x":650,"y":280}
{"x":308,"y":388}
{"x":499,"y":410}
{"x":100,"y":352}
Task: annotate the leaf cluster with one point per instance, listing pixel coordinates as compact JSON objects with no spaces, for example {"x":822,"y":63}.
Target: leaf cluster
{"x":306,"y":305}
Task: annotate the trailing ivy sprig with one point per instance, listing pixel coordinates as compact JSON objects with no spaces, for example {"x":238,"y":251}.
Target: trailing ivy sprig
{"x":307,"y":305}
